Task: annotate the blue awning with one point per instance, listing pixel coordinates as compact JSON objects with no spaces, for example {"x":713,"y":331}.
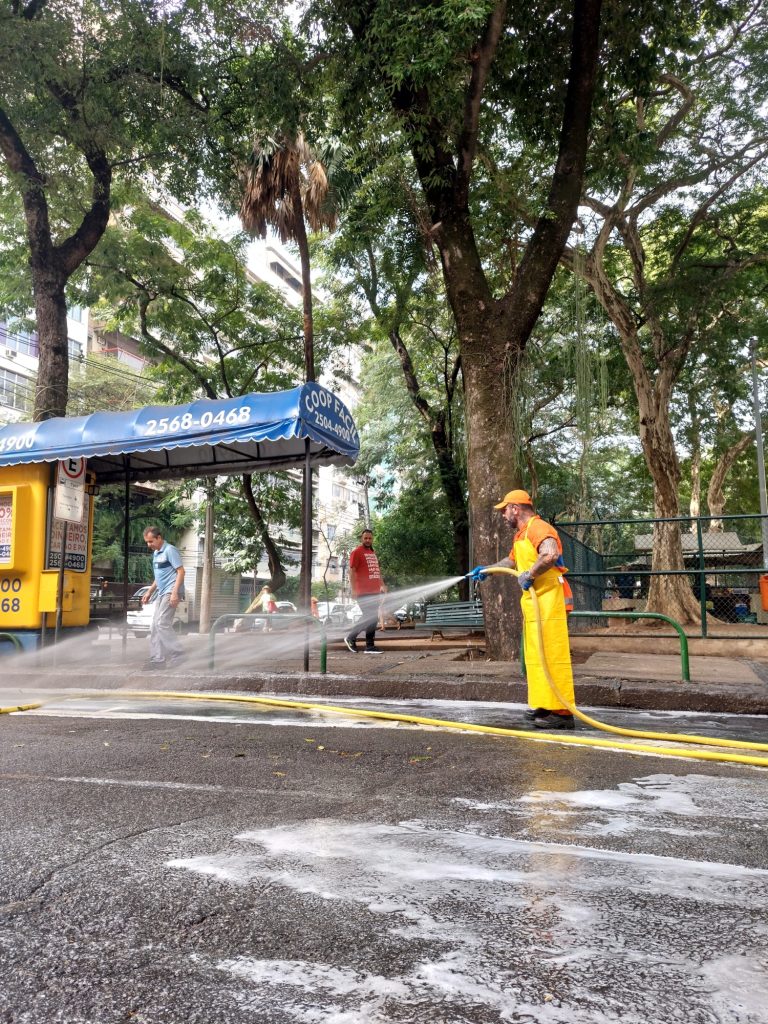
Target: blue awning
{"x":248,"y":434}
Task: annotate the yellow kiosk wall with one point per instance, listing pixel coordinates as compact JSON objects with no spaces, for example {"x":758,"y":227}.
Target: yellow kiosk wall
{"x":27,"y":585}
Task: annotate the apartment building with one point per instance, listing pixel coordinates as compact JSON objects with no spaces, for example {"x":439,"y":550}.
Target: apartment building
{"x":19,"y":357}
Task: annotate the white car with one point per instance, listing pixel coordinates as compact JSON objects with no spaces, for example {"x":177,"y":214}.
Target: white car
{"x":334,"y":613}
{"x":140,"y":619}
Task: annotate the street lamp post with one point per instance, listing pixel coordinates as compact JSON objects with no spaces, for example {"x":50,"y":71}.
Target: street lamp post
{"x":760,"y":451}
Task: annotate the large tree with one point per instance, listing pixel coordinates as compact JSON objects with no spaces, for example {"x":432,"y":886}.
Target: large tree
{"x":675,"y":238}
{"x":92,"y":94}
{"x":455,"y":81}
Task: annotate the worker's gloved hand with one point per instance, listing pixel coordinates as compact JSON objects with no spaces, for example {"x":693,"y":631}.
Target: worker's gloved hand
{"x":478,"y":574}
{"x":525,"y":580}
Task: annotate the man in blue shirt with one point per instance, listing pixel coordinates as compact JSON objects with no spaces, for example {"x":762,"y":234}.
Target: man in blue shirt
{"x":164,"y":646}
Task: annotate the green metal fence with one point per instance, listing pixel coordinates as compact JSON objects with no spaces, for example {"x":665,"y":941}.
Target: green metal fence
{"x":585,"y":575}
{"x":610,"y":564}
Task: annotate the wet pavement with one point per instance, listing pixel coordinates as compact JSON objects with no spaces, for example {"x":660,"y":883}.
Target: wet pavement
{"x":410,"y":667}
{"x":183,"y":862}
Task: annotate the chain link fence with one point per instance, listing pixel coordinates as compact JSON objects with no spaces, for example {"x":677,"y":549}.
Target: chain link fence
{"x":610,"y":565}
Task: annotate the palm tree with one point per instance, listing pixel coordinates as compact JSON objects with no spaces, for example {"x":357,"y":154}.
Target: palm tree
{"x":285,"y":186}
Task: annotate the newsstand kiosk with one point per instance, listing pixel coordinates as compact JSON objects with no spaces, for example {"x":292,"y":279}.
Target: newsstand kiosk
{"x":32,"y":541}
{"x":43,"y":466}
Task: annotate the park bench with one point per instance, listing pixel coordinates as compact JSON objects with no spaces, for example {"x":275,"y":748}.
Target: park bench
{"x":455,"y":615}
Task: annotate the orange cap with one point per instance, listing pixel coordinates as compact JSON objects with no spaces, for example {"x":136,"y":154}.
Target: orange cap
{"x":515,"y":498}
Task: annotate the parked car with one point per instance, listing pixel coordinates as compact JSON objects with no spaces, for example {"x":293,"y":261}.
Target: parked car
{"x":334,"y":613}
{"x":140,"y":615}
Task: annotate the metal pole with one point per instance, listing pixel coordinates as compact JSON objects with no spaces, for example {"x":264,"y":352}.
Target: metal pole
{"x":685,"y":660}
{"x":702,"y":577}
{"x":60,"y":583}
{"x":306,"y":545}
{"x":206,"y":588}
{"x":760,"y":451}
{"x":126,"y":547}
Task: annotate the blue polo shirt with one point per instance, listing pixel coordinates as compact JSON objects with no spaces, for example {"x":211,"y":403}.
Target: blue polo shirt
{"x":165,"y":562}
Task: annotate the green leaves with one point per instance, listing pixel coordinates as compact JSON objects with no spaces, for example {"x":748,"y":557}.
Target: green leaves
{"x":185,"y":292}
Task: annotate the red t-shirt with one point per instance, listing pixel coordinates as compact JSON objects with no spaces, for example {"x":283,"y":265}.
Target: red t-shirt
{"x":366,"y":578}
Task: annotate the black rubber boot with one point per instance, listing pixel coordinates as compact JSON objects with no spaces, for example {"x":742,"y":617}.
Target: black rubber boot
{"x":531,"y":713}
{"x":553,"y":721}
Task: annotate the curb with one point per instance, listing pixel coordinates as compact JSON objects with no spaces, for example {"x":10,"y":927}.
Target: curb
{"x":647,"y":695}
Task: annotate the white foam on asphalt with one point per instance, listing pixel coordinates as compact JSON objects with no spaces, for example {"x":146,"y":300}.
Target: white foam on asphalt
{"x":675,"y":805}
{"x":520,"y":929}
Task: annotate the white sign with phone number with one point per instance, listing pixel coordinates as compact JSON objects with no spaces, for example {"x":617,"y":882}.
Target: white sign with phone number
{"x":76,"y":555}
{"x":6,"y":528}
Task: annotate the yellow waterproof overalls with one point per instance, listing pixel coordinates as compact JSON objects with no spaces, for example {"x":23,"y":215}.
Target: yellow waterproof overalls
{"x":549,"y":591}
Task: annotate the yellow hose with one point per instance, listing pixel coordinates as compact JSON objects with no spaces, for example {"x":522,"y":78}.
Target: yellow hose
{"x":23,"y":707}
{"x":537,"y":735}
{"x":492,"y":730}
{"x":675,"y":737}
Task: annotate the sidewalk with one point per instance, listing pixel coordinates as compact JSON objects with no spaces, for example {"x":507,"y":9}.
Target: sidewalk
{"x":412,"y":668}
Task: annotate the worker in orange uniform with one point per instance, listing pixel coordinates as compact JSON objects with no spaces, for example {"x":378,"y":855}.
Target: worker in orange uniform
{"x":537,"y":553}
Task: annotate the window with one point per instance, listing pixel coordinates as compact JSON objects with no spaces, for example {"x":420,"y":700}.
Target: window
{"x":75,"y":313}
{"x":75,"y":350}
{"x":331,"y":531}
{"x":16,"y":391}
{"x":18,"y":340}
{"x":285,"y":275}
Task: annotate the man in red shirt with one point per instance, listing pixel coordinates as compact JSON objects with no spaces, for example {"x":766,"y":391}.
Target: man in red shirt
{"x":367,"y":584}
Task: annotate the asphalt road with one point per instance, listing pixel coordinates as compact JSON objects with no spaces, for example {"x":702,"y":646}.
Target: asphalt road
{"x":200,"y":866}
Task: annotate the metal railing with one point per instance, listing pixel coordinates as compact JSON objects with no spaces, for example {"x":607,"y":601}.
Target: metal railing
{"x":685,"y":662}
{"x":723,"y":559}
{"x":283,"y":616}
{"x":684,"y":656}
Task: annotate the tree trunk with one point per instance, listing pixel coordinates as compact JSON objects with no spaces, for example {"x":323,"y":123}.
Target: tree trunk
{"x":715,"y":493}
{"x":695,"y":436}
{"x":52,"y":265}
{"x":300,"y":235}
{"x":53,"y":365}
{"x":276,"y":571}
{"x":446,"y":464}
{"x":457,"y":510}
{"x":670,"y":595}
{"x":491,"y":471}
